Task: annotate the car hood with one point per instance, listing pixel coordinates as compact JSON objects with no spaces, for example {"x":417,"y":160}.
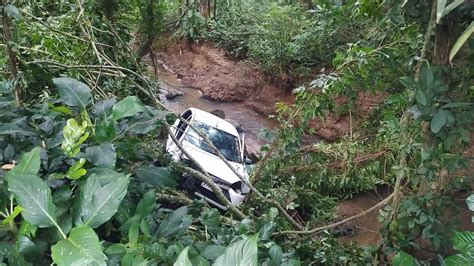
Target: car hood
{"x":214,"y":165}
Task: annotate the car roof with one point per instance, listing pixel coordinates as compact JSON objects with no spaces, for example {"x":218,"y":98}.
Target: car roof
{"x":214,"y":121}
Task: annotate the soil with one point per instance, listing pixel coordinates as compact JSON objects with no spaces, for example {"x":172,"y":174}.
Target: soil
{"x":221,"y":78}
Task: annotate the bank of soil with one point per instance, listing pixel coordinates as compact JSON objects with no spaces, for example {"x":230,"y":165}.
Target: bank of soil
{"x":221,"y":78}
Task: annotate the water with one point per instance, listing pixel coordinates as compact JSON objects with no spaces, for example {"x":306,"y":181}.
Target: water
{"x":251,"y":121}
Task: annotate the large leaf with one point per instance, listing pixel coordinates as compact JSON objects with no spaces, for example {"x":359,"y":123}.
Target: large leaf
{"x":421,"y":97}
{"x":176,"y":223}
{"x":243,"y":253}
{"x":12,"y":129}
{"x":212,"y":252}
{"x":463,"y":242}
{"x":103,"y":108}
{"x":102,"y":155}
{"x":426,"y":77}
{"x":183,"y":259}
{"x":452,"y":6}
{"x":403,"y":259}
{"x":129,"y":106}
{"x":461,"y":40}
{"x":29,"y":164}
{"x":73,"y":92}
{"x":100,"y":198}
{"x":440,"y":9}
{"x":160,"y":176}
{"x":438,"y":121}
{"x":82,"y":247}
{"x":34,"y":196}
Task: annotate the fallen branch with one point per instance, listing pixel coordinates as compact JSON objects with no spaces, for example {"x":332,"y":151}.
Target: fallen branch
{"x":204,"y":177}
{"x":329,"y":226}
{"x":244,"y":180}
{"x":360,"y":158}
{"x":174,"y":198}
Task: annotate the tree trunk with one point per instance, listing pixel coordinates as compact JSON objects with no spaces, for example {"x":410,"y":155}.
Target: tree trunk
{"x":7,"y":37}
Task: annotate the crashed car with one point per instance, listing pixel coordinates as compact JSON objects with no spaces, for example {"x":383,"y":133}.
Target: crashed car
{"x":227,"y":139}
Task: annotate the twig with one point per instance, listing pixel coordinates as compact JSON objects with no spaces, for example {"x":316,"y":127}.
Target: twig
{"x":245,"y":181}
{"x":329,"y":226}
{"x":204,"y":176}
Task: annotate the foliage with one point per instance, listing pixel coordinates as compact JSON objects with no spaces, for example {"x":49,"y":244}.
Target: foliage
{"x":79,"y":186}
{"x":462,"y":242}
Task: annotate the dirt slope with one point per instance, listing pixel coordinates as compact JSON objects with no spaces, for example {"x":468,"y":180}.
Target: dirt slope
{"x":221,"y":78}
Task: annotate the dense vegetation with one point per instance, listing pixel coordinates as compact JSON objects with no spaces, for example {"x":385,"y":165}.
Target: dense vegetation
{"x":80,"y":128}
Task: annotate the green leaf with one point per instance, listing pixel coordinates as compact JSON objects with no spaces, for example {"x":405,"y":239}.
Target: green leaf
{"x":426,"y":76}
{"x":183,"y":259}
{"x":76,"y":171}
{"x":452,"y":6}
{"x":266,"y":231}
{"x":456,"y":105}
{"x":117,"y":248}
{"x":34,"y":196}
{"x":461,"y":40}
{"x":212,"y":252}
{"x":176,"y":223}
{"x":440,"y":10}
{"x":243,"y":253}
{"x":276,"y":255}
{"x":102,"y":108}
{"x":82,"y":247}
{"x":129,"y":106}
{"x":10,"y":218}
{"x":100,"y":198}
{"x":102,"y":156}
{"x":29,"y":164}
{"x":12,"y":129}
{"x":464,"y":242}
{"x":403,"y":259}
{"x":74,"y":135}
{"x":160,"y":176}
{"x":12,"y":12}
{"x":438,"y":121}
{"x":105,"y":131}
{"x":27,"y":248}
{"x":470,"y":202}
{"x":61,"y":109}
{"x":459,"y":259}
{"x":421,"y":97}
{"x":73,"y":92}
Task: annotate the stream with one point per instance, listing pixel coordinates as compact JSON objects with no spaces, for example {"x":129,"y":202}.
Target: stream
{"x":251,"y":121}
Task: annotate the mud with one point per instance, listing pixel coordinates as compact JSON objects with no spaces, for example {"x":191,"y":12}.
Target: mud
{"x":221,"y":78}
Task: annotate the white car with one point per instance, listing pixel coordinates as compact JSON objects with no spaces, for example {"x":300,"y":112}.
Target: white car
{"x":227,"y":139}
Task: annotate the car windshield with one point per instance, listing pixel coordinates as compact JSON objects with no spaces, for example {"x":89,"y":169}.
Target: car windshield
{"x":226,"y":143}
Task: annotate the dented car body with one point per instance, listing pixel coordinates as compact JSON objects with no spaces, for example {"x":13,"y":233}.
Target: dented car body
{"x":230,"y":143}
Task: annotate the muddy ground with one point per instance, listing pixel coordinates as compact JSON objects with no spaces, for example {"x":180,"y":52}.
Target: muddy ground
{"x":221,"y":78}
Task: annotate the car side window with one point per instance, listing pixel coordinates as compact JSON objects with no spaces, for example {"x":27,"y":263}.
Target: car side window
{"x":181,"y":128}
